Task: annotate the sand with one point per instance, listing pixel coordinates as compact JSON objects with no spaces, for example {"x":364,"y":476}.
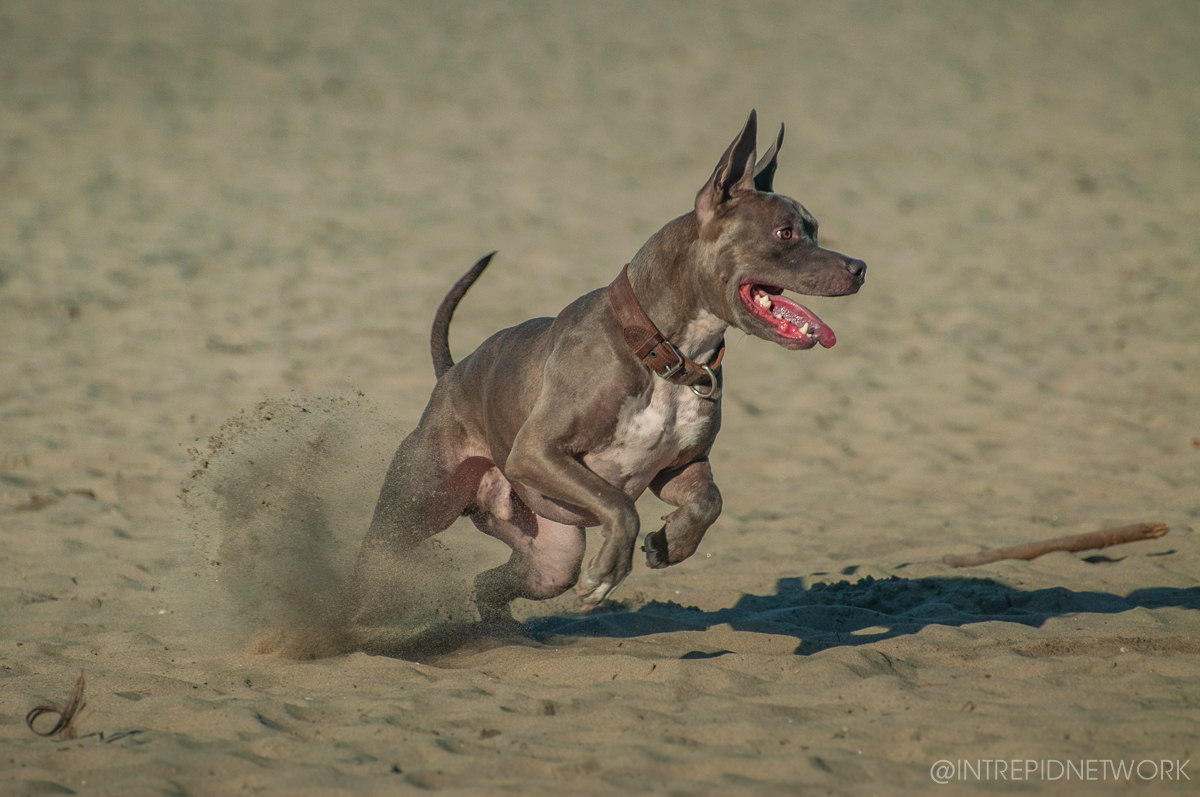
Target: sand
{"x":205,"y":207}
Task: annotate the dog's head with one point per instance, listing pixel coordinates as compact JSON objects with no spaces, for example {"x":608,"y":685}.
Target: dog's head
{"x":759,"y":244}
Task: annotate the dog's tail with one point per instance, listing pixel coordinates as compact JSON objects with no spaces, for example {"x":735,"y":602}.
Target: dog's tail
{"x":439,"y":339}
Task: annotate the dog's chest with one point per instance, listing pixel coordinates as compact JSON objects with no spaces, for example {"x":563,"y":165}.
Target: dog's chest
{"x":651,"y":433}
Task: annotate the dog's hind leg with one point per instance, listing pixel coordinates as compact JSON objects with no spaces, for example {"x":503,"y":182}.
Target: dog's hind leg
{"x":545,"y":560}
{"x":428,"y":486}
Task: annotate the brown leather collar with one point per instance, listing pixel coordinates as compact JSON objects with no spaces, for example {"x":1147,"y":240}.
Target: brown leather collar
{"x":656,"y":352}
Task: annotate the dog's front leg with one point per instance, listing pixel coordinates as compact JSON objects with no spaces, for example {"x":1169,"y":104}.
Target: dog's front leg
{"x":543,"y":463}
{"x":691,"y":488}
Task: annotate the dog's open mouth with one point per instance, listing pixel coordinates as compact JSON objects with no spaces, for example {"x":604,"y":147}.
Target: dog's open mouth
{"x":793,"y":322}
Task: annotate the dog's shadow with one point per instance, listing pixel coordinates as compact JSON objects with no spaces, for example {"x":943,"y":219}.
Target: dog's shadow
{"x":831,"y":615}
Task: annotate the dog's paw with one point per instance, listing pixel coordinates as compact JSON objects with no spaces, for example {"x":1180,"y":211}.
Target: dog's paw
{"x":655,"y":547}
{"x":611,"y":565}
{"x":594,"y":585}
{"x":592,"y":597}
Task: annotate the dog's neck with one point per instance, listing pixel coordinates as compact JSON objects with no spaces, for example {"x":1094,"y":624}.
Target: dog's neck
{"x":701,"y":336}
{"x":671,"y":297}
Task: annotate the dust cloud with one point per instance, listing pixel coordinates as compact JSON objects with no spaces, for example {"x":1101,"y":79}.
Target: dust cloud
{"x":278,"y":502}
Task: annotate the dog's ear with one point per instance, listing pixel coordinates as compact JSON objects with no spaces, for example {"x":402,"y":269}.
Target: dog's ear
{"x":734,"y":172}
{"x":764,"y":171}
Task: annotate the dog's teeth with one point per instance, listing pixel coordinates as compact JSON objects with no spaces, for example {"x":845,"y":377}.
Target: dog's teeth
{"x":763,"y":300}
{"x":804,"y":329}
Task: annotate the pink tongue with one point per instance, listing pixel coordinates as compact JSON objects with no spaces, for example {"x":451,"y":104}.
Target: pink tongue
{"x":798,"y":315}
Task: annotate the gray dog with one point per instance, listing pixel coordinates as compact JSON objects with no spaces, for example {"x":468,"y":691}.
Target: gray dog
{"x":562,"y":423}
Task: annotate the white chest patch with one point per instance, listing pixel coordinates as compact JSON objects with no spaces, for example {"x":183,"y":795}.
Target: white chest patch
{"x":653,"y":429}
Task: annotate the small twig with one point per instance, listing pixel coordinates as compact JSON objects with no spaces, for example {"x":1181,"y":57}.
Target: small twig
{"x":66,"y":714}
{"x":1076,"y":542}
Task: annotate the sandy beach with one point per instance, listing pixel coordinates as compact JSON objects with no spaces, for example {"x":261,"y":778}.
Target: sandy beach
{"x":224,"y":228}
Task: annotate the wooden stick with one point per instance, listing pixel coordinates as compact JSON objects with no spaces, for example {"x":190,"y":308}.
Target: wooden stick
{"x":1076,"y":542}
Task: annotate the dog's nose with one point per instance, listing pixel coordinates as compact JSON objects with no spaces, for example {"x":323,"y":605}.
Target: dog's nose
{"x":857,"y":269}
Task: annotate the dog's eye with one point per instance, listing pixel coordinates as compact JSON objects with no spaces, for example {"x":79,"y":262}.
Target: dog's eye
{"x":784,"y":233}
